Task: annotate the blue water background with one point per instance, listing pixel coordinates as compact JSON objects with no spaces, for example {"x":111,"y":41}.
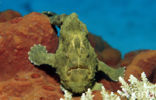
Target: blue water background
{"x":126,"y":25}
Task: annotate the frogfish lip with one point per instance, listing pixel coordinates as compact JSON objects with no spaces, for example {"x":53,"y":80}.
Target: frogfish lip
{"x":77,"y":67}
{"x":80,"y":67}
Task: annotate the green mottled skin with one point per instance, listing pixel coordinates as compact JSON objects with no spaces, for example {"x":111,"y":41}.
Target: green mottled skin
{"x":75,"y":60}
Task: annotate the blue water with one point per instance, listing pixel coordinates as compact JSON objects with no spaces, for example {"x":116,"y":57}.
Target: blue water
{"x":126,"y":25}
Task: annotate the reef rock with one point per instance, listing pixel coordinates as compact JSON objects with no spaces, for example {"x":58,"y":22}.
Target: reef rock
{"x":145,"y":61}
{"x":16,"y":38}
{"x":97,"y":42}
{"x":104,"y":51}
{"x":32,"y":85}
{"x":110,"y":56}
{"x":129,"y":57}
{"x":8,"y":15}
{"x":21,"y":80}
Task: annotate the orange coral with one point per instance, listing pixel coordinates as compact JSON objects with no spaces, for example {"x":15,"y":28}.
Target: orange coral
{"x":33,"y":85}
{"x":19,"y":78}
{"x":16,"y":38}
{"x":8,"y":15}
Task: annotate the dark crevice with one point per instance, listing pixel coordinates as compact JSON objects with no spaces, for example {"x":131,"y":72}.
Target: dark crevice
{"x":152,"y":77}
{"x":101,"y":75}
{"x":50,"y":71}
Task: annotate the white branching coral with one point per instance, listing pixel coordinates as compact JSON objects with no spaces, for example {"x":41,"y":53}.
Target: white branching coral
{"x":67,"y":95}
{"x":134,"y":90}
{"x":107,"y":96}
{"x":138,"y":90}
{"x":87,"y":96}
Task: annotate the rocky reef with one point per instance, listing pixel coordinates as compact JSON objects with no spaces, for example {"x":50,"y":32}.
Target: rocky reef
{"x":21,"y":80}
